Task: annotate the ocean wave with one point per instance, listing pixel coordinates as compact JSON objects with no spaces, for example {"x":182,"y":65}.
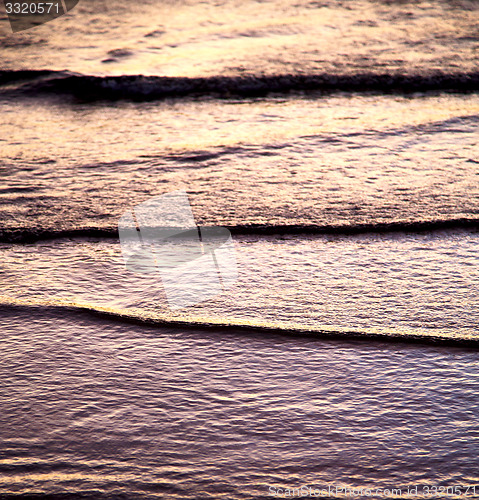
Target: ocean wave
{"x":31,"y":235}
{"x":18,"y":76}
{"x":149,"y":88}
{"x":240,"y":327}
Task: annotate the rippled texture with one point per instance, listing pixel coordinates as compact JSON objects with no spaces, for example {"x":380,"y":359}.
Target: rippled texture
{"x":191,"y":38}
{"x":119,"y":411}
{"x":335,"y":160}
{"x":400,"y":284}
{"x":106,"y":406}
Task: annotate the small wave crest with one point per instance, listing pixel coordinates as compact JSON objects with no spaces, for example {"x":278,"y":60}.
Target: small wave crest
{"x":246,"y":327}
{"x":149,"y":88}
{"x":31,"y":235}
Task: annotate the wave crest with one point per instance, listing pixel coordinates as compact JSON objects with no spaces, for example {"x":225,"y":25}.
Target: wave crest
{"x":30,"y":235}
{"x":323,"y":332}
{"x":149,"y":88}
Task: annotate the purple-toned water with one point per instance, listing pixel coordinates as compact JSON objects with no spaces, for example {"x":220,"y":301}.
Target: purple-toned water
{"x":338,"y":142}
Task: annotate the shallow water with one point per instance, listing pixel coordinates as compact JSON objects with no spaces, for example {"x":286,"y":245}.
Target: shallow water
{"x":121,"y":411}
{"x":344,"y":160}
{"x":228,"y":398}
{"x":192,"y":38}
{"x":398,"y":284}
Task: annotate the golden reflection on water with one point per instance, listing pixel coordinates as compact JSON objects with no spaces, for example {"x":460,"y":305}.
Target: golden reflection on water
{"x":69,"y":133}
{"x":198,"y":39}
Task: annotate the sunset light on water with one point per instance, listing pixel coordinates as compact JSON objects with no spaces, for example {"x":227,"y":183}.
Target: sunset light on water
{"x":239,"y":248}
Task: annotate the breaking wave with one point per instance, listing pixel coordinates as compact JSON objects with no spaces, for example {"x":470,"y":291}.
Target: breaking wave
{"x":149,"y":88}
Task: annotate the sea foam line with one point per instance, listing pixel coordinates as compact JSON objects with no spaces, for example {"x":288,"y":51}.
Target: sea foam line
{"x":12,"y":305}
